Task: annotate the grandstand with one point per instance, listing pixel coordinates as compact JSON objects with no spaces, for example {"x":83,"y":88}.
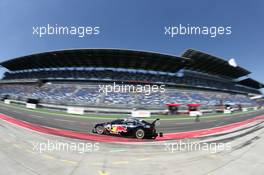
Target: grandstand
{"x":72,"y":78}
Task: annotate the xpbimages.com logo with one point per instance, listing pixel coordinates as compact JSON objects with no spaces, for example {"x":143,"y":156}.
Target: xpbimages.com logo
{"x":79,"y":31}
{"x":196,"y":146}
{"x":51,"y":146}
{"x":128,"y":88}
{"x":184,"y":30}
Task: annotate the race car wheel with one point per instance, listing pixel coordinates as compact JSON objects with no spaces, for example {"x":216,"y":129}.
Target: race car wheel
{"x":140,"y":133}
{"x":99,"y":129}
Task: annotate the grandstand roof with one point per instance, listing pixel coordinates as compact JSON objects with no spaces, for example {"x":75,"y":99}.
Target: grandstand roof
{"x":249,"y":82}
{"x":98,"y":58}
{"x":204,"y":62}
{"x":116,"y":58}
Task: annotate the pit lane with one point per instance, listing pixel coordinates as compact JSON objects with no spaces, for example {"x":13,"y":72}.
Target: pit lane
{"x":17,"y":154}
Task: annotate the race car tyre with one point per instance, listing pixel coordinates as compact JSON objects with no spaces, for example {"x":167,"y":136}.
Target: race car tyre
{"x":140,"y":133}
{"x":99,"y":129}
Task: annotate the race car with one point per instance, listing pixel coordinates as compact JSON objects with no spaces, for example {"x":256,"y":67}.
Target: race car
{"x":132,"y":127}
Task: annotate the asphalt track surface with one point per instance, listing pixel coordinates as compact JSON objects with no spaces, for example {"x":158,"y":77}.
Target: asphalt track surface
{"x":85,"y":125}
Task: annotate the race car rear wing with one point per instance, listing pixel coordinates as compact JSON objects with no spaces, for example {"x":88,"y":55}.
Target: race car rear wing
{"x":153,"y":123}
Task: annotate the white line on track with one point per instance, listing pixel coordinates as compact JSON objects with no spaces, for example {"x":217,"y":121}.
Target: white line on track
{"x":117,"y":150}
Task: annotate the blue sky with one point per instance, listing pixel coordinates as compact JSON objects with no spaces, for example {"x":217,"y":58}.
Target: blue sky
{"x":137,"y":24}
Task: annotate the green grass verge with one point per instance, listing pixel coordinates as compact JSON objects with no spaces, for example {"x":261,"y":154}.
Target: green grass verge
{"x":115,"y":116}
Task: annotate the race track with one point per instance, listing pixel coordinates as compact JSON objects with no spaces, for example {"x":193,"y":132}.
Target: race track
{"x":85,"y":125}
